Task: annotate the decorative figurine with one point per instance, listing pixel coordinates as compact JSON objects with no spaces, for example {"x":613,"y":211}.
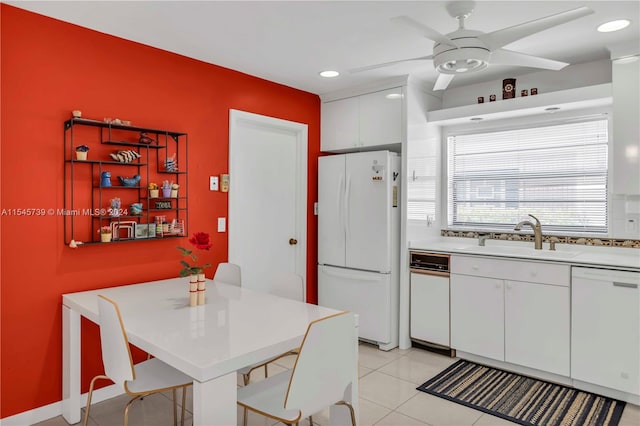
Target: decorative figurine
{"x":534,"y":91}
{"x":492,"y":98}
{"x":144,"y":138}
{"x":524,"y":92}
{"x":124,"y":156}
{"x":508,"y":88}
{"x":480,"y":99}
{"x":133,"y":181}
{"x":105,"y":179}
{"x":115,"y":205}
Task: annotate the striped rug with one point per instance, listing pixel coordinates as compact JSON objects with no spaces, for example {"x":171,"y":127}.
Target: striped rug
{"x":521,"y":399}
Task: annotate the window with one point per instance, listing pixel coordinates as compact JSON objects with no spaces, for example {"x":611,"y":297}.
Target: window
{"x":557,"y":173}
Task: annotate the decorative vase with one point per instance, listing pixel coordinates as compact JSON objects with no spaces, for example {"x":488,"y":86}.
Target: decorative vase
{"x":153,"y":193}
{"x":81,"y":155}
{"x":201,"y":289}
{"x":166,"y":192}
{"x":174,"y":193}
{"x":193,"y":290}
{"x":105,"y":238}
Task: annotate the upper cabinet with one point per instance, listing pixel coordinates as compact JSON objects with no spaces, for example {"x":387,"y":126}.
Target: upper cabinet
{"x":362,"y":122}
{"x":626,"y":127}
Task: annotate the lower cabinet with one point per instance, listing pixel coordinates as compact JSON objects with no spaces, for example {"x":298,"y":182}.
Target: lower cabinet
{"x":537,"y":332}
{"x":477,"y":316}
{"x":496,"y":313}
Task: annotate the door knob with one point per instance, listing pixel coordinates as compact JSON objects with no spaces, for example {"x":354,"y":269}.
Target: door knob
{"x":293,"y":241}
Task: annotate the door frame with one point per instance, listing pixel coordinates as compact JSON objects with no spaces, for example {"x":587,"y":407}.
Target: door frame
{"x":238,"y":119}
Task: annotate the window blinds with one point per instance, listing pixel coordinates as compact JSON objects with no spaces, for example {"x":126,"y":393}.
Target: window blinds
{"x":557,"y":173}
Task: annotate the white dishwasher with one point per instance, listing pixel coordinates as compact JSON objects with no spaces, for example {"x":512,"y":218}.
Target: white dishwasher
{"x":605,"y":328}
{"x":429,"y":308}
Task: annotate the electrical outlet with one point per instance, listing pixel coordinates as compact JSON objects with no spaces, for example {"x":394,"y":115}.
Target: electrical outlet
{"x":213,"y":183}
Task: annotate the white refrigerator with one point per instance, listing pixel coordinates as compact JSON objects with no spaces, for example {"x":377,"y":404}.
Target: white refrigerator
{"x":359,"y":239}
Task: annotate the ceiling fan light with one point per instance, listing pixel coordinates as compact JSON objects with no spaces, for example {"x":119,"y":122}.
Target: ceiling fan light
{"x":458,"y":61}
{"x":610,"y":26}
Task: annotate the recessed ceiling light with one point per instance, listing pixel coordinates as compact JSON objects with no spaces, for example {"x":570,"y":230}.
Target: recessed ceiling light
{"x":608,"y":27}
{"x":329,"y":74}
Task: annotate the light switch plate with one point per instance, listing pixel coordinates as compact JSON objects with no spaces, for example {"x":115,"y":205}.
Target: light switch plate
{"x":213,"y":183}
{"x":222,"y":224}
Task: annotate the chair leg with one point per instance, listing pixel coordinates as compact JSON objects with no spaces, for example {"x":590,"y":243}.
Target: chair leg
{"x":266,"y":372}
{"x":310,"y":421}
{"x":126,"y":408}
{"x":353,"y":414}
{"x":246,"y":378}
{"x":184,"y":402}
{"x":175,"y":408}
{"x":86,"y":410}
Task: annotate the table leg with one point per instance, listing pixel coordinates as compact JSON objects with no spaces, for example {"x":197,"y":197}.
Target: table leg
{"x":214,"y":402}
{"x":70,"y":365}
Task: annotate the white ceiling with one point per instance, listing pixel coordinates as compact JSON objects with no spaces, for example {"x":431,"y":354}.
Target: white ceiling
{"x":289,"y":42}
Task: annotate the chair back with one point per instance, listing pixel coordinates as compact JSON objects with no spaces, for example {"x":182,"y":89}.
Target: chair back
{"x":325,"y":365}
{"x":116,"y":355}
{"x":290,"y":286}
{"x":228,"y":273}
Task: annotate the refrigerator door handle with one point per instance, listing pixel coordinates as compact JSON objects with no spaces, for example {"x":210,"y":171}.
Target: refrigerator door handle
{"x":353,"y":276}
{"x":346,"y":206}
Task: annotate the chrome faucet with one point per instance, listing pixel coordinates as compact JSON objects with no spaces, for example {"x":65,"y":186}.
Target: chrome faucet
{"x":537,"y":230}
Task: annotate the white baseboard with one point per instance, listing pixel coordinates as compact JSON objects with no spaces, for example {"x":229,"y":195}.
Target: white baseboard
{"x":50,"y":411}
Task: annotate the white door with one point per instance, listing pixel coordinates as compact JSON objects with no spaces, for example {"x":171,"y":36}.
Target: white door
{"x":368,"y":211}
{"x":331,"y":226}
{"x":267,"y":197}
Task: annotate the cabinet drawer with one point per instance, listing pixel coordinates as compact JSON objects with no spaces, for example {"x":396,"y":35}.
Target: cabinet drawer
{"x":514,"y":270}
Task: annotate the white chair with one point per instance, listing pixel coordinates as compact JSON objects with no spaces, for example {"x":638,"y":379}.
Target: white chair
{"x":320,"y":377}
{"x":146,"y":378}
{"x":290,"y":286}
{"x":228,"y":273}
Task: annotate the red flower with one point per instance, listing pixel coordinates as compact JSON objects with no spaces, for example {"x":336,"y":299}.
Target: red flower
{"x":201,"y":241}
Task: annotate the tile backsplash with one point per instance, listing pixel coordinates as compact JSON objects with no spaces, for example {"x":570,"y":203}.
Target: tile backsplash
{"x":511,"y":236}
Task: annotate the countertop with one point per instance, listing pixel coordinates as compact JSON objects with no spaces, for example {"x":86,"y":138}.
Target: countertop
{"x":579,"y":255}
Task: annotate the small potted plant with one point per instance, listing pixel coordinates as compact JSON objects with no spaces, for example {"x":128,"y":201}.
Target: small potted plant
{"x":153,"y":190}
{"x":105,"y":234}
{"x":166,"y":189}
{"x":174,"y":190}
{"x":81,"y":152}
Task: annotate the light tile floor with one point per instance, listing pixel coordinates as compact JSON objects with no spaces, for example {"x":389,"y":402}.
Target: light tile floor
{"x":387,"y":397}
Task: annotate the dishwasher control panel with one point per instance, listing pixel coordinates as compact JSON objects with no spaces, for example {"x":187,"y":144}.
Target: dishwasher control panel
{"x":437,"y":262}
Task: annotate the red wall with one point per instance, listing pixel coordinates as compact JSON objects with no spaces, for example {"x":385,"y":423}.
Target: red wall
{"x":50,"y":68}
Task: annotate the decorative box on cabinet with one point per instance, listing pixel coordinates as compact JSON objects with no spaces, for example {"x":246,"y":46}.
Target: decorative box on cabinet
{"x":362,"y":122}
{"x":87,"y":198}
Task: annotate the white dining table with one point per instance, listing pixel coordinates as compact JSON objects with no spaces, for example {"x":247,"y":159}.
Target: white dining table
{"x":237,"y":327}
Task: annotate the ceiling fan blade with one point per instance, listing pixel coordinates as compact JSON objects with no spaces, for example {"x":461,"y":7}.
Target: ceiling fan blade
{"x":386,"y":64}
{"x":500,"y":38}
{"x":509,"y":57}
{"x":443,"y":81}
{"x":428,"y":32}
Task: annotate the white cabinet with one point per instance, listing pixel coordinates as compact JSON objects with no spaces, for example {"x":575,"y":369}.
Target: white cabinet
{"x":605,"y":328}
{"x":477,"y":316}
{"x":626,"y":127}
{"x":536,"y":325}
{"x":360,"y":122}
{"x":339,"y":125}
{"x":512,"y":311}
{"x":429,"y":320}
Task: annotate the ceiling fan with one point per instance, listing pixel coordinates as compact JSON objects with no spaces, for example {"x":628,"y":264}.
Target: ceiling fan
{"x":465,"y":51}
